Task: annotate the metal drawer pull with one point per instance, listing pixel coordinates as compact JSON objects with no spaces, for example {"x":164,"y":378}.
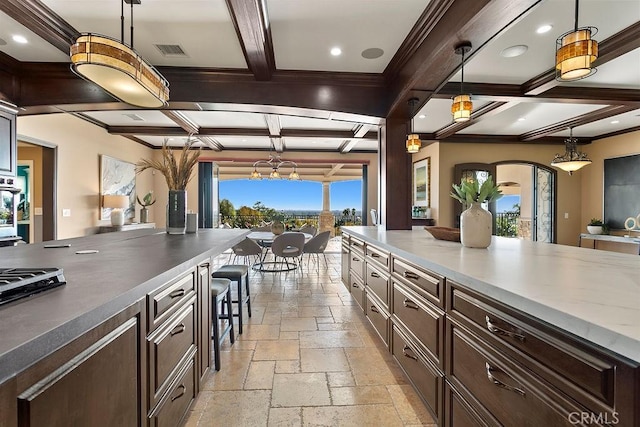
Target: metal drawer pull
{"x":375,"y":255}
{"x":410,"y":275}
{"x":499,"y":331}
{"x":178,"y":329}
{"x":177,"y":293}
{"x":405,"y":354}
{"x":490,"y":370}
{"x":375,"y":275}
{"x":182,"y":389}
{"x":355,"y":285}
{"x":410,"y":304}
{"x":355,"y":259}
{"x":374,"y":309}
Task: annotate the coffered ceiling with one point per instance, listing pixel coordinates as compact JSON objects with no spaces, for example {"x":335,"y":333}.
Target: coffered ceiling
{"x":258,"y":74}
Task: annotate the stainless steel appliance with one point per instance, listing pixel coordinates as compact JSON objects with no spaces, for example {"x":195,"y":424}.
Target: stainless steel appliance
{"x":17,"y":283}
{"x":8,"y":211}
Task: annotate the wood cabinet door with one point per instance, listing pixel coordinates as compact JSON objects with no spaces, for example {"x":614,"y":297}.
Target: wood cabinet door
{"x":99,"y":385}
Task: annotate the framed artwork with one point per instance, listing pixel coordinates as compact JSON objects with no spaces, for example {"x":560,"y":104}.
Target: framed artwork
{"x":117,"y":177}
{"x":421,"y":182}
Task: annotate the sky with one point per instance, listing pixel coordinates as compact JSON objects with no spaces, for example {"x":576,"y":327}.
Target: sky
{"x":291,"y":195}
{"x":505,"y":203}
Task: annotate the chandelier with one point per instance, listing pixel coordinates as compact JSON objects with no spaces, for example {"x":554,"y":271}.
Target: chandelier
{"x":118,"y":69}
{"x":275,"y":163}
{"x":462,"y":105}
{"x":575,"y":51}
{"x":572,"y":159}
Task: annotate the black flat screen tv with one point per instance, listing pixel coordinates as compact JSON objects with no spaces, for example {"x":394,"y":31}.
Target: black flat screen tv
{"x":621,"y":190}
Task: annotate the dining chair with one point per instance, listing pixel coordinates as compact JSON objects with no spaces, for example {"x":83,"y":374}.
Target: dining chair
{"x":288,"y":246}
{"x":317,"y":245}
{"x":246,"y":248}
{"x":308,"y":229}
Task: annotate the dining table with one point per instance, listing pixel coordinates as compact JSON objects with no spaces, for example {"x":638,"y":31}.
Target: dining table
{"x":265,"y":239}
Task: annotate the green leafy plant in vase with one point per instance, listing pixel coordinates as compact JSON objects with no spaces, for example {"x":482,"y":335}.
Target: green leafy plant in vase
{"x":596,"y":226}
{"x":476,"y":223}
{"x":147,"y":200}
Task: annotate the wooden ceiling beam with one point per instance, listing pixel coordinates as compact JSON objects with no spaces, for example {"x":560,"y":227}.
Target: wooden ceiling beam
{"x":252,"y":26}
{"x":609,"y":49}
{"x":43,"y":21}
{"x":183,"y":121}
{"x":433,"y":62}
{"x":583,"y":119}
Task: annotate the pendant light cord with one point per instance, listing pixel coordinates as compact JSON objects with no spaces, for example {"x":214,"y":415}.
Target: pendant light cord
{"x":122,"y":22}
{"x":462,"y":76}
{"x":132,"y":25}
{"x":576,"y":21}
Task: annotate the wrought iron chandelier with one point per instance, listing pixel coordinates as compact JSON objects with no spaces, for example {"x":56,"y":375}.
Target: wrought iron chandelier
{"x":275,"y":163}
{"x":572,"y":159}
{"x":118,"y":69}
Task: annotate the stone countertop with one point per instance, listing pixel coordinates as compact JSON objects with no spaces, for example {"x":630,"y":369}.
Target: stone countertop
{"x":594,"y":295}
{"x":611,"y":238}
{"x":129,"y":264}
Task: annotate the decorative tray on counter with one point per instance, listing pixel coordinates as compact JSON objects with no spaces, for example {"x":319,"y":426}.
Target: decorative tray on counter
{"x":444,"y":233}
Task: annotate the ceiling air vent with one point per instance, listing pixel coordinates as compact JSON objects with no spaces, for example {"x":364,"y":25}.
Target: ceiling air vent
{"x":171,"y":50}
{"x":134,"y":117}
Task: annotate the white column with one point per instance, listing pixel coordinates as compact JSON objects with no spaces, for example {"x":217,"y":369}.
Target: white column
{"x":326,"y":197}
{"x":326,"y":220}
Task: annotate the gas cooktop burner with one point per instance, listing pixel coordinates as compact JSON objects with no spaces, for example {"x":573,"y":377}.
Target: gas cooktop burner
{"x":16,"y":283}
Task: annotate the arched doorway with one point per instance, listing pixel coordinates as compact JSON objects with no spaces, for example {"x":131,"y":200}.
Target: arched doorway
{"x":528,"y":209}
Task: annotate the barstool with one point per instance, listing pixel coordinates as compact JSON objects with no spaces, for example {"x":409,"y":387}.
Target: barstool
{"x":237,"y":273}
{"x":221,"y":293}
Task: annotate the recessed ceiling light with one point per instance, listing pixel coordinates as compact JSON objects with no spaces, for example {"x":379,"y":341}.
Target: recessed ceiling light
{"x":544,"y":29}
{"x":372,"y":53}
{"x":513,"y":51}
{"x":19,"y":39}
{"x":613,"y":122}
{"x":421,"y":116}
{"x":336,"y":51}
{"x":521,"y":119}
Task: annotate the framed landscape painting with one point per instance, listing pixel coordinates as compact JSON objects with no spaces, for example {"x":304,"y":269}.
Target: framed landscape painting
{"x":421,"y":178}
{"x":117,"y":177}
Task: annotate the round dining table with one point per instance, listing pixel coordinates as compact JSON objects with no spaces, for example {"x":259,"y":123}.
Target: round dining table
{"x":265,"y":239}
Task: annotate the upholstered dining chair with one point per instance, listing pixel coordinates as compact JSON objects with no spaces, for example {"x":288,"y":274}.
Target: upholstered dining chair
{"x":308,"y":229}
{"x":317,"y":245}
{"x":288,"y":246}
{"x":246,"y":249}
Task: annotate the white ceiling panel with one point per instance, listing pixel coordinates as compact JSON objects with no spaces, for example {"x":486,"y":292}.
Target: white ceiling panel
{"x":622,"y":72}
{"x":226,"y":119}
{"x":304,"y":31}
{"x":36,"y":49}
{"x":203,"y":28}
{"x":292,"y":122}
{"x":604,"y":126}
{"x":487,"y":66}
{"x":174,"y":141}
{"x":534,"y":116}
{"x":437,"y":114}
{"x":132,"y":117}
{"x":312,"y":143}
{"x":248,"y":142}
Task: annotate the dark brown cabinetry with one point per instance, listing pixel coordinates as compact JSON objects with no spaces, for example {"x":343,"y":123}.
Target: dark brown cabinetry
{"x":477,"y":362}
{"x":344,"y":259}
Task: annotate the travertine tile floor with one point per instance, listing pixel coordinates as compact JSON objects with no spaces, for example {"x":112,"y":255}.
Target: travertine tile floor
{"x":307,"y":357}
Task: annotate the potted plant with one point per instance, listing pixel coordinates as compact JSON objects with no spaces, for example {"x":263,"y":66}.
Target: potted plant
{"x":475,"y":222}
{"x":146,"y":201}
{"x":177,"y":174}
{"x":595,"y":226}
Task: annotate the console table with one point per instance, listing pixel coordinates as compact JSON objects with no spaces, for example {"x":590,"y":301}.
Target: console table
{"x":126,"y":227}
{"x":605,"y":242}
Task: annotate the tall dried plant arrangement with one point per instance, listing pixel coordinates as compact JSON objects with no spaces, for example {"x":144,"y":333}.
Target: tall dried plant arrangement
{"x":177,"y":173}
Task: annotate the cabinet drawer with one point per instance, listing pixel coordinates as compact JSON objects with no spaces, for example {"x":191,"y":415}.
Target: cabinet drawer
{"x":356,"y":243}
{"x":356,"y":263}
{"x":168,"y":346}
{"x":430,"y":285}
{"x":378,"y":283}
{"x":378,"y":318}
{"x":420,"y":318}
{"x":161,"y":302}
{"x":459,"y":413}
{"x":509,"y":393}
{"x":357,"y":290}
{"x":426,"y":379}
{"x":592,"y":372}
{"x":174,"y":405}
{"x":378,"y":255}
{"x":344,"y":265}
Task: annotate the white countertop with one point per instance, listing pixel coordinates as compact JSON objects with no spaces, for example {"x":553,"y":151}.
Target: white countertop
{"x":592,"y":294}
